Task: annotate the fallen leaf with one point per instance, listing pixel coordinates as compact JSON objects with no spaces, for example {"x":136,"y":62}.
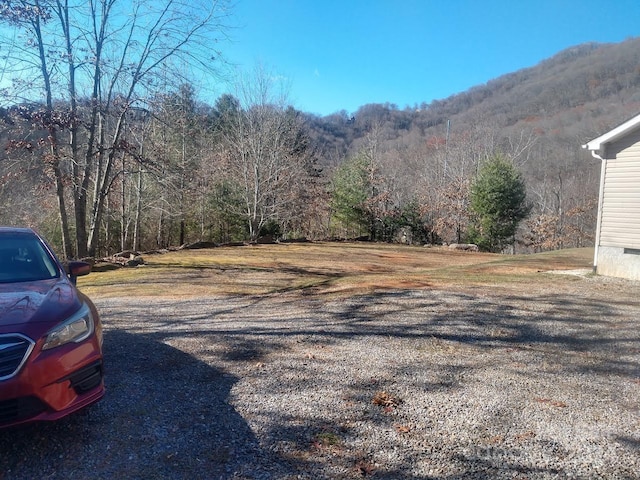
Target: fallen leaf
{"x":384,"y":399}
{"x":525,"y":436}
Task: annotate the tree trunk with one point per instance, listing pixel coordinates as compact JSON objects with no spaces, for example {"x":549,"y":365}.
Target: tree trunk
{"x":136,"y":225}
{"x":53,"y":139}
{"x":62,"y":212}
{"x":123,"y":210}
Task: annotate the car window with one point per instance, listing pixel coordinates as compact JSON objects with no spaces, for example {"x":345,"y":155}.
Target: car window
{"x":23,"y":258}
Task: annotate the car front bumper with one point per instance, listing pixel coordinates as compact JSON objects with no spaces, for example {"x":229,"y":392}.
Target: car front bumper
{"x":53,"y":384}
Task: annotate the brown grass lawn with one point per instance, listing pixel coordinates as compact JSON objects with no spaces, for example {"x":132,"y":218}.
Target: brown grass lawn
{"x":331,"y":268}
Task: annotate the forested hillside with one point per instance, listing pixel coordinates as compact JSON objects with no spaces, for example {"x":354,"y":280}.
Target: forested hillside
{"x":130,"y":158}
{"x":539,"y":117}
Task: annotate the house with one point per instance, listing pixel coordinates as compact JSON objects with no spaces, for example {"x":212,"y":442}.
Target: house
{"x":617,"y":244}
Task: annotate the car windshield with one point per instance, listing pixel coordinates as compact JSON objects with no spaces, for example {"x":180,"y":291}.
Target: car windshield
{"x":23,"y":258}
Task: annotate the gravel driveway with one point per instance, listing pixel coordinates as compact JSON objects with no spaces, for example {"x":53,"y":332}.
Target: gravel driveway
{"x":396,"y":385}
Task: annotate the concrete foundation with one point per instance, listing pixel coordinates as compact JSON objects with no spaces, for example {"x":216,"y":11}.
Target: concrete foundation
{"x":618,"y":262}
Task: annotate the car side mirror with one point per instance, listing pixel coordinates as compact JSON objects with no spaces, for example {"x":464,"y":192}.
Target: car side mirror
{"x":77,"y":269}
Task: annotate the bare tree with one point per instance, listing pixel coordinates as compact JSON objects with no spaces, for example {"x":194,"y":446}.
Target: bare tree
{"x":86,"y":64}
{"x":265,"y":151}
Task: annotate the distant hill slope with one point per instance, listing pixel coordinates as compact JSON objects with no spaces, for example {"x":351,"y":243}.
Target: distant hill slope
{"x":593,"y":75}
{"x":571,"y":97}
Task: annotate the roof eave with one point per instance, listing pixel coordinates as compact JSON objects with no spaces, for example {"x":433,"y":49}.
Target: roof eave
{"x":597,"y":144}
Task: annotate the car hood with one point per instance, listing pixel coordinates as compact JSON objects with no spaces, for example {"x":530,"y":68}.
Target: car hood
{"x":45,"y":301}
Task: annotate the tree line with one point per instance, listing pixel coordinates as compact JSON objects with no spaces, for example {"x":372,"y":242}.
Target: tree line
{"x":108,"y":146}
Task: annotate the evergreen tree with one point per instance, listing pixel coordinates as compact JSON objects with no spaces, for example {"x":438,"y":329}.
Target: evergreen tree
{"x":350,"y":191}
{"x":498,"y":202}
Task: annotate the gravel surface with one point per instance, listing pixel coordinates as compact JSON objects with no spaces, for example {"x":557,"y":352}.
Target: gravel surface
{"x":396,"y":385}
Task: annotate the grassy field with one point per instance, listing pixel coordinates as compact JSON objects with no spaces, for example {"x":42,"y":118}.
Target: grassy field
{"x":329,"y":268}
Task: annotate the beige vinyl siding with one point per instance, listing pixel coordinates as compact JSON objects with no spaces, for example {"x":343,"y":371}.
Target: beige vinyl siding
{"x":621,"y":200}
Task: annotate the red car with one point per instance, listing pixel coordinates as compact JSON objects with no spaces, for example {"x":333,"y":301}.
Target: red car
{"x":50,"y":333}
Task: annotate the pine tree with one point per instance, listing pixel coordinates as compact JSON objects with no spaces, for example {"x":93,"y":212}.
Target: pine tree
{"x":499,"y":204}
{"x":349,"y":193}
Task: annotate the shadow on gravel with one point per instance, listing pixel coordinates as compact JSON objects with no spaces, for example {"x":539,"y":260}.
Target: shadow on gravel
{"x":541,"y":338}
{"x":554,"y":324}
{"x":165,"y":415}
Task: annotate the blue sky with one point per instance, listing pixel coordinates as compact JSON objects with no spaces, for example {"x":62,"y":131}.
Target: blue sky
{"x":342,"y":54}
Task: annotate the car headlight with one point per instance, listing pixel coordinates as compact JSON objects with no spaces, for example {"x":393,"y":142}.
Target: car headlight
{"x":75,"y":329}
